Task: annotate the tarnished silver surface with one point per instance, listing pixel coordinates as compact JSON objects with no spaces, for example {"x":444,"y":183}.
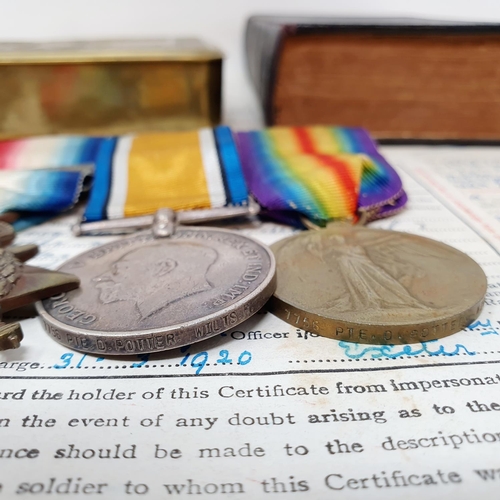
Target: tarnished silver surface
{"x":141,"y":294}
{"x":374,"y":286}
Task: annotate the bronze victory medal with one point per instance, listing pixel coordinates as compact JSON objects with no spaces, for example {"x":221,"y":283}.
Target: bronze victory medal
{"x":374,"y":286}
{"x":141,"y":294}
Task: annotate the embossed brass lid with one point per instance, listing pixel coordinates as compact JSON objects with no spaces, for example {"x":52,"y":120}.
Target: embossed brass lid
{"x":180,"y":49}
{"x":108,"y":87}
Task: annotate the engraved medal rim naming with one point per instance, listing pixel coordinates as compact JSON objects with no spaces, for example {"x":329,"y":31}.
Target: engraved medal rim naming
{"x":243,"y":305}
{"x":386,"y":326}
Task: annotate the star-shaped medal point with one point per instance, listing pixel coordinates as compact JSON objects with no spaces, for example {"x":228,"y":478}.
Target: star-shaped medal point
{"x":21,"y":284}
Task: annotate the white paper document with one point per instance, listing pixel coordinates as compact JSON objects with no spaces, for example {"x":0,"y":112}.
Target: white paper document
{"x":267,"y":410}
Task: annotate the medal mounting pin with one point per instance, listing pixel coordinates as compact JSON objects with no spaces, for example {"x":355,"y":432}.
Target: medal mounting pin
{"x":165,"y":220}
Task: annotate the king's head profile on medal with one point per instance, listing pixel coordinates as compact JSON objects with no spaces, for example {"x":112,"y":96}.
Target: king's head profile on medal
{"x":166,"y":270}
{"x":162,"y":293}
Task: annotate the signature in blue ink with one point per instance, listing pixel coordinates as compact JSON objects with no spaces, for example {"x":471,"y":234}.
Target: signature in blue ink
{"x":358,"y":351}
{"x":486,"y":324}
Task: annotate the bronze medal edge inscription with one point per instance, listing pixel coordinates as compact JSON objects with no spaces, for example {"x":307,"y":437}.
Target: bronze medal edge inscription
{"x":375,"y":286}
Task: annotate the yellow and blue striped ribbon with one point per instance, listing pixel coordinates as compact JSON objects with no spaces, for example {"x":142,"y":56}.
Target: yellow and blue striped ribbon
{"x":139,"y":174}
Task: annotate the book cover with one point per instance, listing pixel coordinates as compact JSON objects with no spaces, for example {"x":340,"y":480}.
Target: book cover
{"x":400,"y":78}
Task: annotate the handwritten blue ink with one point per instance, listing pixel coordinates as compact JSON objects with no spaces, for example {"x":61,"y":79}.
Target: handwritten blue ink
{"x":144,"y":358}
{"x":486,"y":324}
{"x":66,"y":359}
{"x":357,"y":351}
{"x":224,"y":357}
{"x":200,"y":360}
{"x":199,"y":365}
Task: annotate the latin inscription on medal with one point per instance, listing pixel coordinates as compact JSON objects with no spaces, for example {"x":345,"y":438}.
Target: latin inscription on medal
{"x":141,"y":294}
{"x":373,"y":286}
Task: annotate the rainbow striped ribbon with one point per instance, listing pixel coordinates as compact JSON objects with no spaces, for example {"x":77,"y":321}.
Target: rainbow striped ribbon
{"x":323,"y":173}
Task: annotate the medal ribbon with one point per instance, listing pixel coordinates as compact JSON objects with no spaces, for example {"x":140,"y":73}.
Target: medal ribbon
{"x":323,"y":173}
{"x":137,"y":175}
{"x":133,"y":175}
{"x":44,"y":174}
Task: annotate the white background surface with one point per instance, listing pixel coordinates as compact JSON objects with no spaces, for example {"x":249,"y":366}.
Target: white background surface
{"x":219,"y":22}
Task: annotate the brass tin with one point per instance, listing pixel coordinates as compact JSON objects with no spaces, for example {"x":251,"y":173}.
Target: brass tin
{"x":108,"y":87}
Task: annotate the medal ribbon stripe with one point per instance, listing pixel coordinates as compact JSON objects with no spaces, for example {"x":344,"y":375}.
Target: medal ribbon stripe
{"x":35,"y":176}
{"x":289,"y":175}
{"x":322,"y":140}
{"x":380,"y":184}
{"x":9,"y":152}
{"x":325,"y":141}
{"x":212,"y":168}
{"x":351,"y":140}
{"x":270,"y":182}
{"x":40,"y":190}
{"x":119,"y":178}
{"x":323,"y":178}
{"x":358,"y":178}
{"x":348,"y":173}
{"x":232,"y":173}
{"x":319,"y":186}
{"x":96,"y":206}
{"x":48,"y":152}
{"x":134,"y":175}
{"x":166,"y":170}
{"x":179,"y":170}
